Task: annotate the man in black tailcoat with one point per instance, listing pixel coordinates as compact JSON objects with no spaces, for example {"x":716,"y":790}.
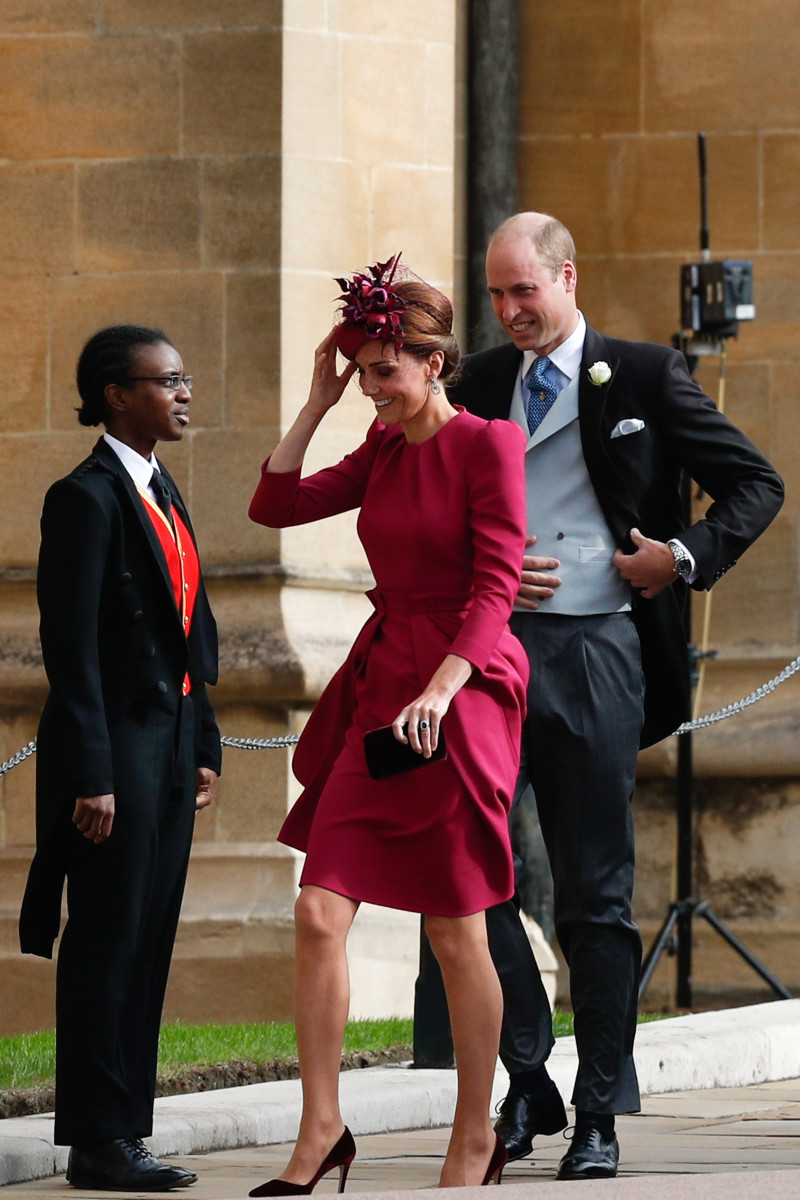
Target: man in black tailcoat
{"x":611,"y":425}
{"x":128,"y":748}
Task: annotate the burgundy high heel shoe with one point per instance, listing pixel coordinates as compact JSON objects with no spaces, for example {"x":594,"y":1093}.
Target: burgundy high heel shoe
{"x":340,"y":1156}
{"x":497,"y":1163}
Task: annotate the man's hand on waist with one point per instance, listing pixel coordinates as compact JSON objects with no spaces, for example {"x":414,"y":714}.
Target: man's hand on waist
{"x":537,"y":582}
{"x":650,"y":568}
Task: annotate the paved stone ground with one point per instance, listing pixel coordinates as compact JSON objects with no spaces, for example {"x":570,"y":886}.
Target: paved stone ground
{"x":682,"y":1146}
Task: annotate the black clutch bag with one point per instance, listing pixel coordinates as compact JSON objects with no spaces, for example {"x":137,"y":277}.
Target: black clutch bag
{"x":386,"y":756}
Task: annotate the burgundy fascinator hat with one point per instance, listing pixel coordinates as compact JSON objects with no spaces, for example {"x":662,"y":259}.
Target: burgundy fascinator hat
{"x":371,"y":309}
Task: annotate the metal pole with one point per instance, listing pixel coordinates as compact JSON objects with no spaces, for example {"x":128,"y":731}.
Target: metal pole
{"x":683,"y":992}
{"x":492,"y":86}
{"x":684,"y":782}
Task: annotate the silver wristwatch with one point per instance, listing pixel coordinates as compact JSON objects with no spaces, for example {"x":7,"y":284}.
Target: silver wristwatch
{"x":680,"y":559}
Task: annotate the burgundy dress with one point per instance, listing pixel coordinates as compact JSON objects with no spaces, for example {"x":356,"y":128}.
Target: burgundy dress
{"x":443,"y":526}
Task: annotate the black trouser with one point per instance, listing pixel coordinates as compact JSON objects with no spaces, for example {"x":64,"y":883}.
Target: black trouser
{"x":580,"y":742}
{"x":124,"y":900}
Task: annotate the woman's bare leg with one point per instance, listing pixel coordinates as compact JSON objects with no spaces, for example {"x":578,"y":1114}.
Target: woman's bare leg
{"x":321,"y":1003}
{"x":475,"y":1002}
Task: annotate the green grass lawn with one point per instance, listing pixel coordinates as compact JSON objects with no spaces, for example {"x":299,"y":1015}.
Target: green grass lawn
{"x":28,"y":1060}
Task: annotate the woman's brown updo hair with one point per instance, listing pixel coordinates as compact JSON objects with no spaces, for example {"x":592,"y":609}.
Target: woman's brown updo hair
{"x":428,"y":324}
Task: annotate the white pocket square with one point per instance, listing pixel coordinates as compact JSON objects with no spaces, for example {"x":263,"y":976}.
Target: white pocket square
{"x":629,"y":425}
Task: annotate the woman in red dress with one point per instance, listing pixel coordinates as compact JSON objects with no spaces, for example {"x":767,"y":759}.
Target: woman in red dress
{"x":441,"y":495}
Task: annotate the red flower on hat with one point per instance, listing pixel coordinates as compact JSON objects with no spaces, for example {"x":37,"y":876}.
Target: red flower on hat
{"x":371,"y":308}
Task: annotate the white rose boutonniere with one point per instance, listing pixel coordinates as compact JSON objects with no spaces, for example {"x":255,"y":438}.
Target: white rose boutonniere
{"x":599,"y":373}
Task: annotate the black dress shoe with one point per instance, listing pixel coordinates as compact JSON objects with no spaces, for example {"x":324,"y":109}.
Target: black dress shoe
{"x":124,"y":1165}
{"x":522,"y":1117}
{"x":590,"y":1156}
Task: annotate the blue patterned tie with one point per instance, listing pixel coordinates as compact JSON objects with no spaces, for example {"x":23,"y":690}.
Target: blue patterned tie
{"x":541,"y":393}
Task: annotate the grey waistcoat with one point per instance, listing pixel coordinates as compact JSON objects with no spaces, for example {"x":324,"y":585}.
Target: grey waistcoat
{"x":564,"y":513}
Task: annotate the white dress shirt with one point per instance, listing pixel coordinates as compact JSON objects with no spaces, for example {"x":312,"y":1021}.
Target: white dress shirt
{"x":139,"y":468}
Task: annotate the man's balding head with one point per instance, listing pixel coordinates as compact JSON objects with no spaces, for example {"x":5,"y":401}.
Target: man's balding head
{"x":552,"y":241}
{"x":531,"y":274}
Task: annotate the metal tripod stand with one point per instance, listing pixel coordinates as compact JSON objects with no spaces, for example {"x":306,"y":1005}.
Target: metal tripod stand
{"x":675,"y":935}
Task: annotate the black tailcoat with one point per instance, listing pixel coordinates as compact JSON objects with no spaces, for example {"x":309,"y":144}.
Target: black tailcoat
{"x":636,"y":479}
{"x":115,"y":721}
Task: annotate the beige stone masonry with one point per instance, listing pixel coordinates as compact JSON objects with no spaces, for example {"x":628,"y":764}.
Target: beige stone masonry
{"x":48,"y":16}
{"x":252,"y":363}
{"x":36,"y":218}
{"x":398,"y":134}
{"x":416,"y":25}
{"x":781,"y":202}
{"x":57,"y":100}
{"x":181,"y":16}
{"x":29,"y":463}
{"x":231,"y":93}
{"x":24,"y":352}
{"x":139,"y":215}
{"x":225,"y":470}
{"x":241,"y":217}
{"x":725,"y":66}
{"x":580,"y":74}
{"x":634,"y":195}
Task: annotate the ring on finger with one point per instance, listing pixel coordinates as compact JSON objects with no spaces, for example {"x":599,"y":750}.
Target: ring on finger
{"x":424,"y":725}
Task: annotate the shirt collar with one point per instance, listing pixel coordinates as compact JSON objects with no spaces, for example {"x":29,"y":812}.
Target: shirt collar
{"x":140,"y":469}
{"x":567,"y":356}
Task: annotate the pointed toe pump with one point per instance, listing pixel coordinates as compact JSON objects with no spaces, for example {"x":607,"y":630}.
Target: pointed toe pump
{"x":340,"y":1156}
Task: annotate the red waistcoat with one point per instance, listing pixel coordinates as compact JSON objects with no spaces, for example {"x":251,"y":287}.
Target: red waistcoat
{"x":182,"y":563}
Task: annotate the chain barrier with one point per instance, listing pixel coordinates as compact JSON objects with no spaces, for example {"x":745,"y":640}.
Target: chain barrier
{"x":17,"y":758}
{"x":277,"y":743}
{"x":730,"y":710}
{"x":290,"y":739}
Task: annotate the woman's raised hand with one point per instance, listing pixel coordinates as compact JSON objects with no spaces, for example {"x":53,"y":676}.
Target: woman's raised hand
{"x":326,"y":391}
{"x":326,"y":385}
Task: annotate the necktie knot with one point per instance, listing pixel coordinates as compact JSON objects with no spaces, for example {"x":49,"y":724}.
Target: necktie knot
{"x":161,"y":491}
{"x":541,"y":392}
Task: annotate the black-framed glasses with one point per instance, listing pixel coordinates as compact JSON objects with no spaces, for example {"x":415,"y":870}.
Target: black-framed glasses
{"x":173,"y":382}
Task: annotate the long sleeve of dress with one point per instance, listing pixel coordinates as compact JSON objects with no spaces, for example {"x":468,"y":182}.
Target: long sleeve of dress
{"x":497,"y":516}
{"x":283,"y":499}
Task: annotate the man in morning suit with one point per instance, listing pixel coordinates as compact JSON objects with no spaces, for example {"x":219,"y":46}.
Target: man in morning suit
{"x":611,"y":425}
{"x":128,"y":749}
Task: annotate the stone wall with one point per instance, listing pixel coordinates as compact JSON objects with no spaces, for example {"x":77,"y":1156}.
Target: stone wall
{"x":207,"y":166}
{"x":609,"y":114}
